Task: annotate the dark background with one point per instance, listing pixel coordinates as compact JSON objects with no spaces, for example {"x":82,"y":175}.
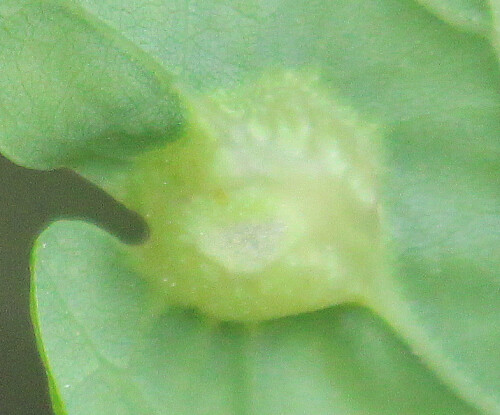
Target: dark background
{"x":29,"y":201}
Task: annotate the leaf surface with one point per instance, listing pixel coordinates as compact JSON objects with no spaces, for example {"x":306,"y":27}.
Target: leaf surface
{"x":430,"y":84}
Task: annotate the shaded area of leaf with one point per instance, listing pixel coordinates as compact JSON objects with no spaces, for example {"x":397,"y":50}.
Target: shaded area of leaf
{"x":470,"y":15}
{"x":110,"y":351}
{"x":495,"y":11}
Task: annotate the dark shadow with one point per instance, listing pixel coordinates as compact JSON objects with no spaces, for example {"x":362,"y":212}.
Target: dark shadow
{"x":29,"y":200}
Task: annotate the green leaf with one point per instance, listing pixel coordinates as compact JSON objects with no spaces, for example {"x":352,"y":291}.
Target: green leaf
{"x":430,"y":83}
{"x":71,"y":89}
{"x":111,"y":351}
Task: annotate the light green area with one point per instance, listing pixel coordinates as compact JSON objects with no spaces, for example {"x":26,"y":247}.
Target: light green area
{"x":432,"y":88}
{"x":113,"y":352}
{"x":278,"y":213}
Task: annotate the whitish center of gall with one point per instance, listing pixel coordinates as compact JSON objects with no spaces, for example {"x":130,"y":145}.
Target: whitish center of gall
{"x":267,"y":207}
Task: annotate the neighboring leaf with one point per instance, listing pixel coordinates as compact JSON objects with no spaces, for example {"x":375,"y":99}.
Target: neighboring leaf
{"x":71,"y":90}
{"x":110,"y":351}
